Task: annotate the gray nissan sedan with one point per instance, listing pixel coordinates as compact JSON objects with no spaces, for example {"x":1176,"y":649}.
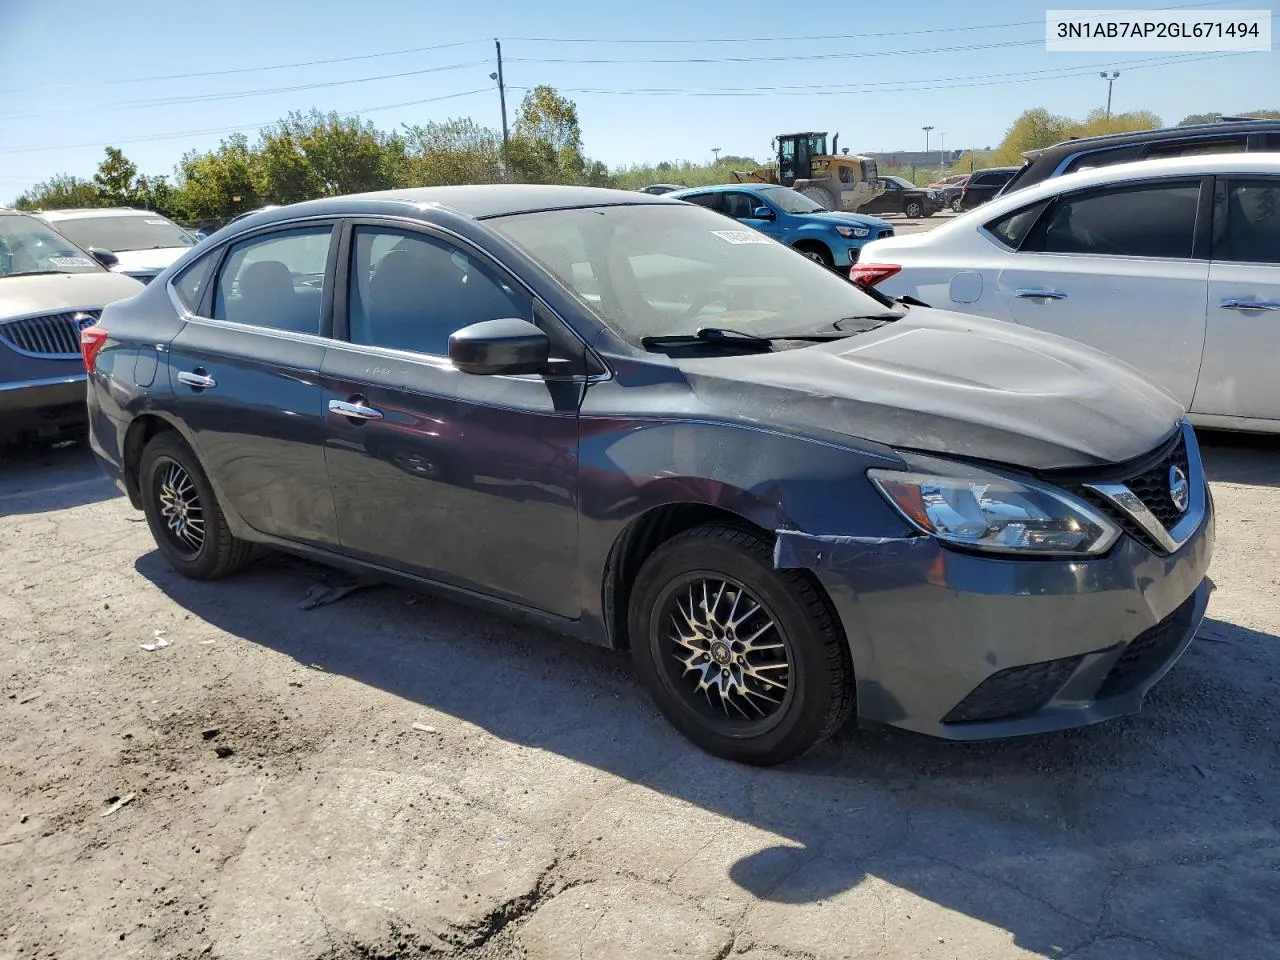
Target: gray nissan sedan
{"x":625,"y":418}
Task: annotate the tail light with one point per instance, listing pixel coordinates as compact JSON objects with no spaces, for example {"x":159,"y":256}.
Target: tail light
{"x":91,"y":341}
{"x":872,"y":273}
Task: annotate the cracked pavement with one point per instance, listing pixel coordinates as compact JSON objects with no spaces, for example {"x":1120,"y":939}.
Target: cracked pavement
{"x":542,"y":809}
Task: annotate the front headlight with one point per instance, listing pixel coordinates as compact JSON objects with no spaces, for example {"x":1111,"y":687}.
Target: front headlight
{"x":850,"y":232}
{"x":997,"y":514}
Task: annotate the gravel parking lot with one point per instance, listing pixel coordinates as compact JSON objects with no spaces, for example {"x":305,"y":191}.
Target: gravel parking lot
{"x":392,"y":777}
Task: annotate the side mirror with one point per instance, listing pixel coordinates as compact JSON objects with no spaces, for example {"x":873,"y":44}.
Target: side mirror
{"x":104,"y":257}
{"x":506,"y":346}
{"x":763,"y":213}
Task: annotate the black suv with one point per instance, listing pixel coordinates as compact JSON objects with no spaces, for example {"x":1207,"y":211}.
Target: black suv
{"x":1228,"y":135}
{"x":982,"y":185}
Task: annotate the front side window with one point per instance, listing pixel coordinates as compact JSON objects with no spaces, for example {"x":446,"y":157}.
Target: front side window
{"x":29,"y":246}
{"x":672,"y":269}
{"x":129,"y":232}
{"x":409,"y":291}
{"x":740,"y":206}
{"x":1147,"y":220}
{"x":1247,"y":225}
{"x":790,"y":200}
{"x":275,"y":281}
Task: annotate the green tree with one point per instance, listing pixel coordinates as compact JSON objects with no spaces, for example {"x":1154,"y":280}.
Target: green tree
{"x":1195,"y":118}
{"x":1033,"y":129}
{"x":546,"y":139}
{"x":116,"y":179}
{"x":58,"y":192}
{"x":455,"y":151}
{"x":218,"y":184}
{"x":340,"y":154}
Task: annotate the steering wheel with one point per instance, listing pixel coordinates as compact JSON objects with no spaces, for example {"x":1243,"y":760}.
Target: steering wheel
{"x":711,"y":296}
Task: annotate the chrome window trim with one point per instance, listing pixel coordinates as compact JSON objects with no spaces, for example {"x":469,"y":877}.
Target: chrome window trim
{"x":44,"y":382}
{"x":1169,"y":540}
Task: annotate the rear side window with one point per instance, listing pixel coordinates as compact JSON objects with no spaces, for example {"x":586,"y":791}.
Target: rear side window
{"x":1247,"y":221}
{"x":709,"y":200}
{"x":994,"y":179}
{"x":1103,"y":158}
{"x":1192,"y":148}
{"x":1149,"y":220}
{"x":194,"y":281}
{"x":275,"y":281}
{"x":1012,"y":228}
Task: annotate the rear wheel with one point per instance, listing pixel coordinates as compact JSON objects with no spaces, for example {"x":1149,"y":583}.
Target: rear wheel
{"x":184,"y":516}
{"x":955,"y":205}
{"x":913,"y":209}
{"x":745,"y":660}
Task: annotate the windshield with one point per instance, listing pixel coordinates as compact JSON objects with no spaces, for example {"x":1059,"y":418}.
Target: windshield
{"x":656,"y":270}
{"x":790,"y":201}
{"x":120,"y":233}
{"x":29,"y":246}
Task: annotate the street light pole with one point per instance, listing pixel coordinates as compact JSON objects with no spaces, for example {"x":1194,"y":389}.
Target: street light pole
{"x":926,"y":141}
{"x":1110,"y":78}
{"x":716,"y":151}
{"x":942,"y":150}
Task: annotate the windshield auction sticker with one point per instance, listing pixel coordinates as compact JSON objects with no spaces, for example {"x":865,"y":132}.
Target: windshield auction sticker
{"x":1137,"y":31}
{"x":740,"y":236}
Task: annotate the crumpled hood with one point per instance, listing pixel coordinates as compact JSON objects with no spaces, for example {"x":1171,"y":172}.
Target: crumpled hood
{"x":57,"y":293}
{"x":148,"y":261}
{"x":951,"y":384}
{"x":850,"y":219}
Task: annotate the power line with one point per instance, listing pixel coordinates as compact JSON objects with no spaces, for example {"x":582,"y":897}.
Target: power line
{"x":236,"y":70}
{"x":241,"y":94}
{"x":941,"y":83}
{"x":155,"y":138}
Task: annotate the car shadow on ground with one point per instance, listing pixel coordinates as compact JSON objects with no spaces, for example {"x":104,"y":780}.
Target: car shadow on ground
{"x":1125,"y":828}
{"x":1251,"y":458}
{"x":42,"y":479}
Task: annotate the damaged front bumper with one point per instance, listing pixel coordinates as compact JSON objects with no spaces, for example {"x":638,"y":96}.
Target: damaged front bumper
{"x":970,"y":647}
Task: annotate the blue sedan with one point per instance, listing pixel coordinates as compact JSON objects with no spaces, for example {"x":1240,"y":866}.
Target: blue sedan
{"x":832,"y":239}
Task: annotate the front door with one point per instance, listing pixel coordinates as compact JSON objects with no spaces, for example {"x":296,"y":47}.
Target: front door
{"x":245,"y":381}
{"x":468,"y":480}
{"x":742,"y":207}
{"x":1114,"y":268}
{"x":1238,"y":376}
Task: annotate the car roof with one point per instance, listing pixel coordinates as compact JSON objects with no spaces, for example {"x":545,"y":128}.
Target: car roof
{"x":79,"y":213}
{"x":478,"y":201}
{"x":1224,"y":128}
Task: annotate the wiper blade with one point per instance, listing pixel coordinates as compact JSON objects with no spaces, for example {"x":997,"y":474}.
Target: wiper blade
{"x":33,"y":273}
{"x":724,"y":336}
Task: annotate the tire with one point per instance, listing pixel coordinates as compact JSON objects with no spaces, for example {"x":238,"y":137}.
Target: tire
{"x":820,"y":195}
{"x":799,"y":647}
{"x":955,"y":205}
{"x":183,"y":513}
{"x":912,"y":209}
{"x":817,"y":253}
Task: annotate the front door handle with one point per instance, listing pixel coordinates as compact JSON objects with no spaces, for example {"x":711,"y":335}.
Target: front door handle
{"x":197,"y":380}
{"x":1041,"y":294}
{"x":354,"y":408}
{"x":1233,"y":304}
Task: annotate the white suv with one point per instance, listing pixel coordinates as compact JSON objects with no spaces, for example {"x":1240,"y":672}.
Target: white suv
{"x":139,"y":243}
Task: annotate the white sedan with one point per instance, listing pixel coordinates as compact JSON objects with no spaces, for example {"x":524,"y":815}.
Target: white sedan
{"x":1171,"y":265}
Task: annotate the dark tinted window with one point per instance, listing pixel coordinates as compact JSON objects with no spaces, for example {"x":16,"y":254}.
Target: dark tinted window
{"x":993,"y":179}
{"x":275,"y":281}
{"x":1273,"y":141}
{"x":711,"y":200}
{"x":1152,"y":220}
{"x":1248,"y":229}
{"x":1103,"y":158}
{"x":1190,"y":148}
{"x":410,"y":292}
{"x":194,"y":280}
{"x":1012,"y":228}
{"x":740,"y":205}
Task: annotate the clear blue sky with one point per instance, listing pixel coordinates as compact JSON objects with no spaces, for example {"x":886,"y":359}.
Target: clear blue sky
{"x":69,"y":76}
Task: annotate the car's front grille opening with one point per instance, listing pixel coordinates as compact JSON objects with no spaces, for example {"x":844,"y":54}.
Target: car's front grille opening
{"x":1147,"y":652}
{"x":55,"y":335}
{"x":1152,"y":487}
{"x":1014,"y":692}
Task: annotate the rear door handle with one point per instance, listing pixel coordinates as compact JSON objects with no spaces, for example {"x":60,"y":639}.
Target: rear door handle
{"x":357,"y":410}
{"x":1041,"y":294}
{"x":199,"y":381}
{"x":1233,"y":304}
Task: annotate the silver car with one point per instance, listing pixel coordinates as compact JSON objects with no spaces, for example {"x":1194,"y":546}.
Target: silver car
{"x":50,"y":289}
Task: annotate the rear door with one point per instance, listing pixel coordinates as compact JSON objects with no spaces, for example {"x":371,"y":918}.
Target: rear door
{"x":1116,"y":268}
{"x":1238,"y":376}
{"x":463,"y":479}
{"x":245,"y":378}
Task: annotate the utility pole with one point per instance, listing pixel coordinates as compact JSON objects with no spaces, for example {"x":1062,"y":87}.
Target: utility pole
{"x":502,"y":93}
{"x":942,"y":150}
{"x":1110,"y":78}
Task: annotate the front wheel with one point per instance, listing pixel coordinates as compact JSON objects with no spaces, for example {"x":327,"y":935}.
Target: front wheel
{"x":818,"y":254}
{"x":747,"y":661}
{"x":913,"y":209}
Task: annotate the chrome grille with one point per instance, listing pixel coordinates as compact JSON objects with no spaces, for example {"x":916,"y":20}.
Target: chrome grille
{"x":54,"y":335}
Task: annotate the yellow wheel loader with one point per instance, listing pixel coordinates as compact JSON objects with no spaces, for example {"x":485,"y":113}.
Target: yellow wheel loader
{"x":835,"y":181}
